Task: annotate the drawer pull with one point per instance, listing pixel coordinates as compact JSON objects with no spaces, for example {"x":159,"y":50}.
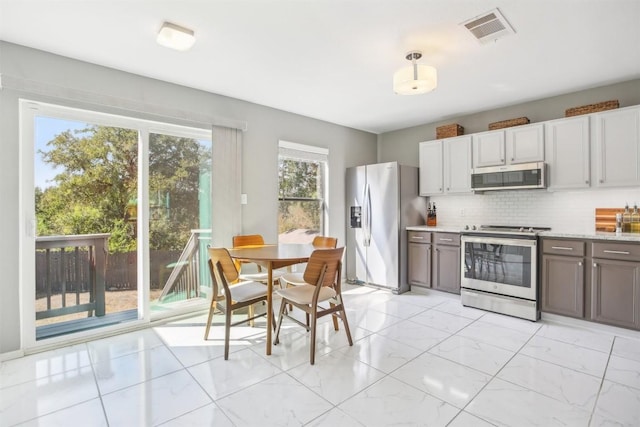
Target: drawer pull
{"x":606,"y":251}
{"x":562,"y":248}
{"x":417,"y":237}
{"x":445,"y":240}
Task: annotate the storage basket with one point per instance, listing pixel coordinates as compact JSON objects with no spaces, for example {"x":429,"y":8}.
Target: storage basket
{"x":592,"y":108}
{"x":448,"y":131}
{"x":508,"y":123}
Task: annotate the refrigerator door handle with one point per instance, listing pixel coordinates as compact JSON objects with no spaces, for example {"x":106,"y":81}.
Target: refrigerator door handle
{"x":366,"y":219}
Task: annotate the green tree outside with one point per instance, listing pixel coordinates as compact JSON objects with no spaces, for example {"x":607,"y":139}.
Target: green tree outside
{"x":96,"y":192}
{"x":300,"y":195}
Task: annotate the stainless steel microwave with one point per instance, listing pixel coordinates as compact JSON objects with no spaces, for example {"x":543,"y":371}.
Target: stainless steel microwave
{"x":509,"y":177}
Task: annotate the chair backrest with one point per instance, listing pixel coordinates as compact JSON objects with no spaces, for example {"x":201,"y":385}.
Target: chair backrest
{"x":331,"y":258}
{"x":247,"y":240}
{"x":221,"y":257}
{"x":324,"y":242}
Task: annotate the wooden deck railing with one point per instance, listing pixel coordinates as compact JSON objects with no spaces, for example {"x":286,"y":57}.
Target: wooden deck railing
{"x":80,"y":267}
{"x":186,"y":274}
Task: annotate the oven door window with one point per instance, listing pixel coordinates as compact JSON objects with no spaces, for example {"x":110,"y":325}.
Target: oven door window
{"x":498,"y":263}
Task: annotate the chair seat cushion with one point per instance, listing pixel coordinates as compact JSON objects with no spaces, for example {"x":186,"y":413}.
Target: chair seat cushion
{"x":262,"y":276}
{"x":303,"y":294}
{"x":293,"y":279}
{"x":245,"y":291}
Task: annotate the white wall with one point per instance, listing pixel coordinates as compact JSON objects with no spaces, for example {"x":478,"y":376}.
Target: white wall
{"x":563,"y":211}
{"x":46,"y":77}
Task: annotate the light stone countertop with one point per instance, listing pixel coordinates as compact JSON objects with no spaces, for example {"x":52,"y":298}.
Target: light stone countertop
{"x":594,"y":235}
{"x":438,"y":229}
{"x":590,"y":235}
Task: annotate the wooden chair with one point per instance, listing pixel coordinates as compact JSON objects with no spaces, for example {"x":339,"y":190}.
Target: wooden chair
{"x":323,"y":277}
{"x":235,"y":295}
{"x":319,"y":242}
{"x":249,"y":240}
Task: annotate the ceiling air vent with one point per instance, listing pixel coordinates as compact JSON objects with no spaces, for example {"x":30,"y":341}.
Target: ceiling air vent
{"x":489,"y":26}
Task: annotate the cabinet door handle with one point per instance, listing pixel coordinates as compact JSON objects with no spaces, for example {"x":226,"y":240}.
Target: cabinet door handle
{"x":586,"y":182}
{"x":562,"y":248}
{"x":512,"y":159}
{"x":445,"y":240}
{"x":447,"y":188}
{"x":595,"y":265}
{"x":602,"y":181}
{"x":580,"y":264}
{"x":606,"y":251}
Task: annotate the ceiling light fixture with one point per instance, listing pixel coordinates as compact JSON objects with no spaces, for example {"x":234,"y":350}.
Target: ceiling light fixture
{"x":175,"y":37}
{"x":415,"y":79}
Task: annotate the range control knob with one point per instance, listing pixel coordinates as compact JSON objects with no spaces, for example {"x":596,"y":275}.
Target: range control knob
{"x":473,"y":227}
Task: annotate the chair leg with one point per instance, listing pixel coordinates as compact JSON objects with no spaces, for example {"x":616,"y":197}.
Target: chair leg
{"x":212,"y":309}
{"x":334,"y":318}
{"x":276,"y":340}
{"x":346,"y":324}
{"x":227,"y":332}
{"x":312,"y":345}
{"x":251,"y":314}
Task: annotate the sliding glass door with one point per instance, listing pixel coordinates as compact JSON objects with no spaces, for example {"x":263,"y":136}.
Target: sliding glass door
{"x":179,"y":194}
{"x":118,"y":216}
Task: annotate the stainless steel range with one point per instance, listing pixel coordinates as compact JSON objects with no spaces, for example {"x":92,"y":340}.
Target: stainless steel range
{"x":499,"y":269}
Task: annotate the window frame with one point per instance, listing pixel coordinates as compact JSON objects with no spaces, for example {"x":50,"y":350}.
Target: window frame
{"x":304,"y":152}
{"x":29,"y":109}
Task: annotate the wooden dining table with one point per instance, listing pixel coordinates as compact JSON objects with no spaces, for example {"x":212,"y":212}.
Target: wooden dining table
{"x":272,"y":257}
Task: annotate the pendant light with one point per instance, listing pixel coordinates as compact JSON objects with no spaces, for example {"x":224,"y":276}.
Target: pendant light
{"x":415,"y":79}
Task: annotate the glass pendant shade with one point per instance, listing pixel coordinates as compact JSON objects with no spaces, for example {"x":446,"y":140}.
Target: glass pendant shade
{"x":415,"y":79}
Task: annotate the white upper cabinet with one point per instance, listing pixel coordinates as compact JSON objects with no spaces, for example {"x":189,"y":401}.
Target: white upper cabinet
{"x":567,"y":153}
{"x":521,"y":144}
{"x":617,"y":147}
{"x":488,"y":149}
{"x":457,"y":164}
{"x":525,"y":144}
{"x":445,"y":166}
{"x":431,"y":179}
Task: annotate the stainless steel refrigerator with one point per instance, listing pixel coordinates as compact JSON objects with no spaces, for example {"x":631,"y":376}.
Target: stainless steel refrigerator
{"x":382,"y":200}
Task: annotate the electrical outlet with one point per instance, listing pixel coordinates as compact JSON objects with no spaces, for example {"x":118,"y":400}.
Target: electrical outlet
{"x":461,"y":212}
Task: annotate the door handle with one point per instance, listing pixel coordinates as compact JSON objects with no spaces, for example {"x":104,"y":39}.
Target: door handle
{"x":606,"y":251}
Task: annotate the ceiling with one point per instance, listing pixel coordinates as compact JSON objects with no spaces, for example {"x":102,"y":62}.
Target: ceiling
{"x":334,"y":60}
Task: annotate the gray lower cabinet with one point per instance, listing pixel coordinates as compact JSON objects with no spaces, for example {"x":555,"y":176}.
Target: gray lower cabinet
{"x":419,"y":259}
{"x":446,"y":262}
{"x":563,"y":285}
{"x":615,"y":284}
{"x":563,"y":278}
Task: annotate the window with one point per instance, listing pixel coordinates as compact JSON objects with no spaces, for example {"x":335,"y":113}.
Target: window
{"x":302,"y":193}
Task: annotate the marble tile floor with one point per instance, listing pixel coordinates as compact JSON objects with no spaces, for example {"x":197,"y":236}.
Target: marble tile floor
{"x":420,"y":358}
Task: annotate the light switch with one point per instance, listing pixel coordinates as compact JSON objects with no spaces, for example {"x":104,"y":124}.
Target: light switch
{"x":243,"y":199}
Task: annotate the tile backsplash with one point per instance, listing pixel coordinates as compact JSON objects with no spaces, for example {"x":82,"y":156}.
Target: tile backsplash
{"x":565,"y":211}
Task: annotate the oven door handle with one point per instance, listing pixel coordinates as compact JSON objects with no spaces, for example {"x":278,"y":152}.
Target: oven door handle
{"x":505,"y":241}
